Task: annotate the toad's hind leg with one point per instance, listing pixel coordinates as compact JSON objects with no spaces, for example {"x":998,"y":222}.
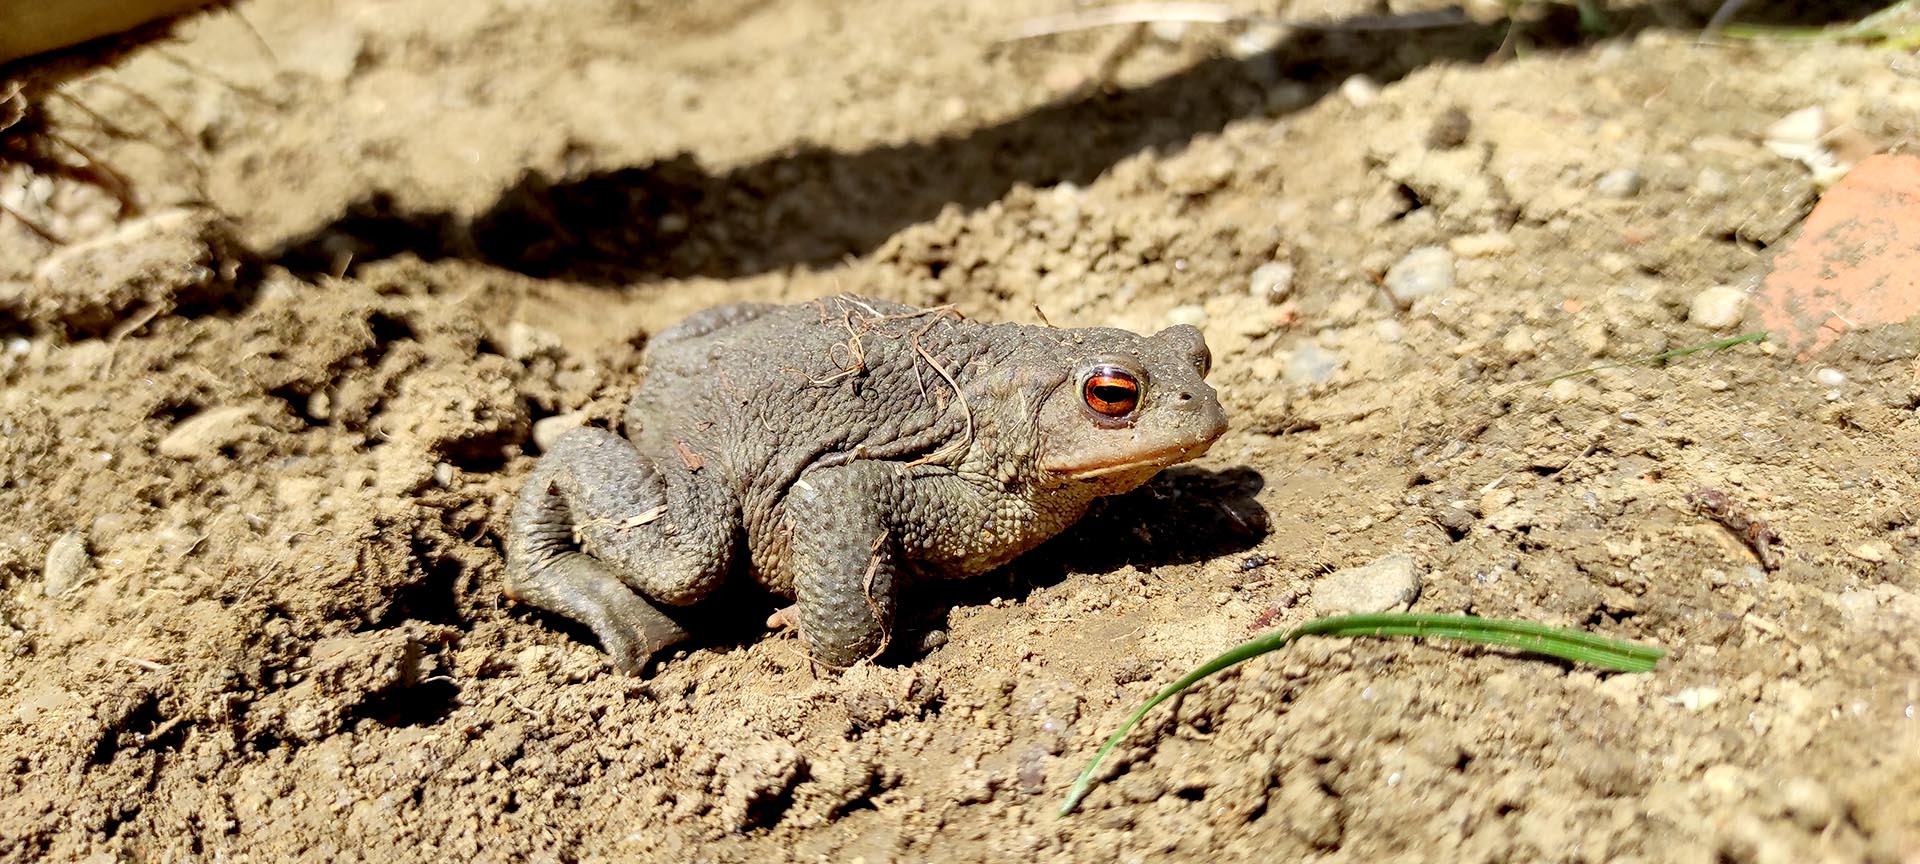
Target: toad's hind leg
{"x":597,"y":537}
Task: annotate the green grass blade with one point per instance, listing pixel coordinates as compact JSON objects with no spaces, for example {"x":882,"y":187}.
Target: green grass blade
{"x":1570,"y":645}
{"x":1655,"y":359}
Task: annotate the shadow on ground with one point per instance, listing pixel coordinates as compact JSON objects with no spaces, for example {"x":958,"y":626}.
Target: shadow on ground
{"x":1183,"y":516}
{"x":813,"y":207}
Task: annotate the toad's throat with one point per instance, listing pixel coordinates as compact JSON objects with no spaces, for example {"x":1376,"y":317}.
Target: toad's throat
{"x":1154,"y":459}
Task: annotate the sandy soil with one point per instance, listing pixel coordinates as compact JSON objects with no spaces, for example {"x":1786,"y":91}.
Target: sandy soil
{"x":259,"y":443}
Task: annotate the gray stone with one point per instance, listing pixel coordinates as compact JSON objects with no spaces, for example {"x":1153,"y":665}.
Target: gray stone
{"x":68,"y":565}
{"x":1618,"y":183}
{"x":1310,"y":364}
{"x":208,"y":432}
{"x":1388,"y":583}
{"x":1272,"y":281}
{"x":1426,"y":270}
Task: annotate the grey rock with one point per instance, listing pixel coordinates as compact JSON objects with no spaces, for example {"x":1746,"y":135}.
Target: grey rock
{"x":1388,"y":583}
{"x":1426,"y":270}
{"x":68,"y":565}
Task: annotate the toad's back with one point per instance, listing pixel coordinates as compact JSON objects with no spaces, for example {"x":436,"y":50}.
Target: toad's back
{"x":764,"y":392}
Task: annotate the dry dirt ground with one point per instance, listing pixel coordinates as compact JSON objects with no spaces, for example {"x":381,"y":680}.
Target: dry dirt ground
{"x":259,"y":444}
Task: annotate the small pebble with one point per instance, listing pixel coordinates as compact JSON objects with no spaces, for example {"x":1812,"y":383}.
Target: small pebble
{"x":1456,"y":520}
{"x":547,"y":430}
{"x":1827,"y":376}
{"x":1272,"y":281}
{"x":1032,"y":773}
{"x":1486,"y":245}
{"x":1872,"y":551}
{"x":1360,"y":91}
{"x":1712,"y":183}
{"x":208,"y":432}
{"x":1389,"y":331}
{"x":1192,"y":314}
{"x":1519,"y":342}
{"x":18,"y":346}
{"x":1257,"y":40}
{"x":1718,"y":307}
{"x":1426,"y":270}
{"x":1791,"y":135}
{"x":1168,"y":31}
{"x":1391,"y":582}
{"x":522,"y":341}
{"x":1450,"y":129}
{"x":1310,"y":364}
{"x":1618,"y":183}
{"x":1808,"y":803}
{"x":1856,"y":606}
{"x":1696,"y":698}
{"x":68,"y":565}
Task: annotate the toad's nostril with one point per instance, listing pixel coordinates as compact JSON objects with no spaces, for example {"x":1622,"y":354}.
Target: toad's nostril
{"x":1184,"y":397}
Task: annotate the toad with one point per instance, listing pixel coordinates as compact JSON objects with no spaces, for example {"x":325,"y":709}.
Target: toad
{"x":836,"y":449}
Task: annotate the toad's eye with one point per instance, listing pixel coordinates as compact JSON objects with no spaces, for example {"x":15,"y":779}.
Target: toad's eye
{"x":1111,"y":391}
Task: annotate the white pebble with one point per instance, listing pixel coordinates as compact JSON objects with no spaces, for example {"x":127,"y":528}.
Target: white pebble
{"x":1619,"y":183}
{"x":1798,"y":136}
{"x":1256,"y":41}
{"x":1389,"y":331}
{"x":1827,"y":376}
{"x":1272,"y":281}
{"x":1485,"y":245}
{"x":1192,"y":314}
{"x":1390,"y":582}
{"x":524,"y":340}
{"x":1360,"y":91}
{"x":1800,"y":129}
{"x":1712,"y":183}
{"x":547,"y":430}
{"x":1519,"y":342}
{"x":208,"y":432}
{"x":1718,"y":307}
{"x":1426,"y":270}
{"x":1168,"y":31}
{"x":68,"y":565}
{"x":1695,"y":698}
{"x":1808,"y":803}
{"x":1310,"y":364}
{"x":18,"y":345}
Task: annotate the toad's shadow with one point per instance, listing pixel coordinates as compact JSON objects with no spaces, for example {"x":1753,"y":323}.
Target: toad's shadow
{"x":1183,"y":516}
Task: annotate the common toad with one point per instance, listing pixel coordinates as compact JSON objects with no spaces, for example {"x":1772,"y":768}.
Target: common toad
{"x":835,"y":448}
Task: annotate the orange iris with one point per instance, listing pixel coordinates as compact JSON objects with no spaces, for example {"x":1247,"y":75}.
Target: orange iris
{"x":1111,"y":392}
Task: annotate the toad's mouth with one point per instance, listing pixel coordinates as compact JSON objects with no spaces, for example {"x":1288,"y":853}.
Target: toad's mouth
{"x":1153,"y":459}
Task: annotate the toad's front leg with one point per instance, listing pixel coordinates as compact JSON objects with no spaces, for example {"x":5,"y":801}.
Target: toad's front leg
{"x":845,"y":560}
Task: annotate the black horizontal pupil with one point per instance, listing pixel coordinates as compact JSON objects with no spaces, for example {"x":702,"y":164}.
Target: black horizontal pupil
{"x":1112,"y":393}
